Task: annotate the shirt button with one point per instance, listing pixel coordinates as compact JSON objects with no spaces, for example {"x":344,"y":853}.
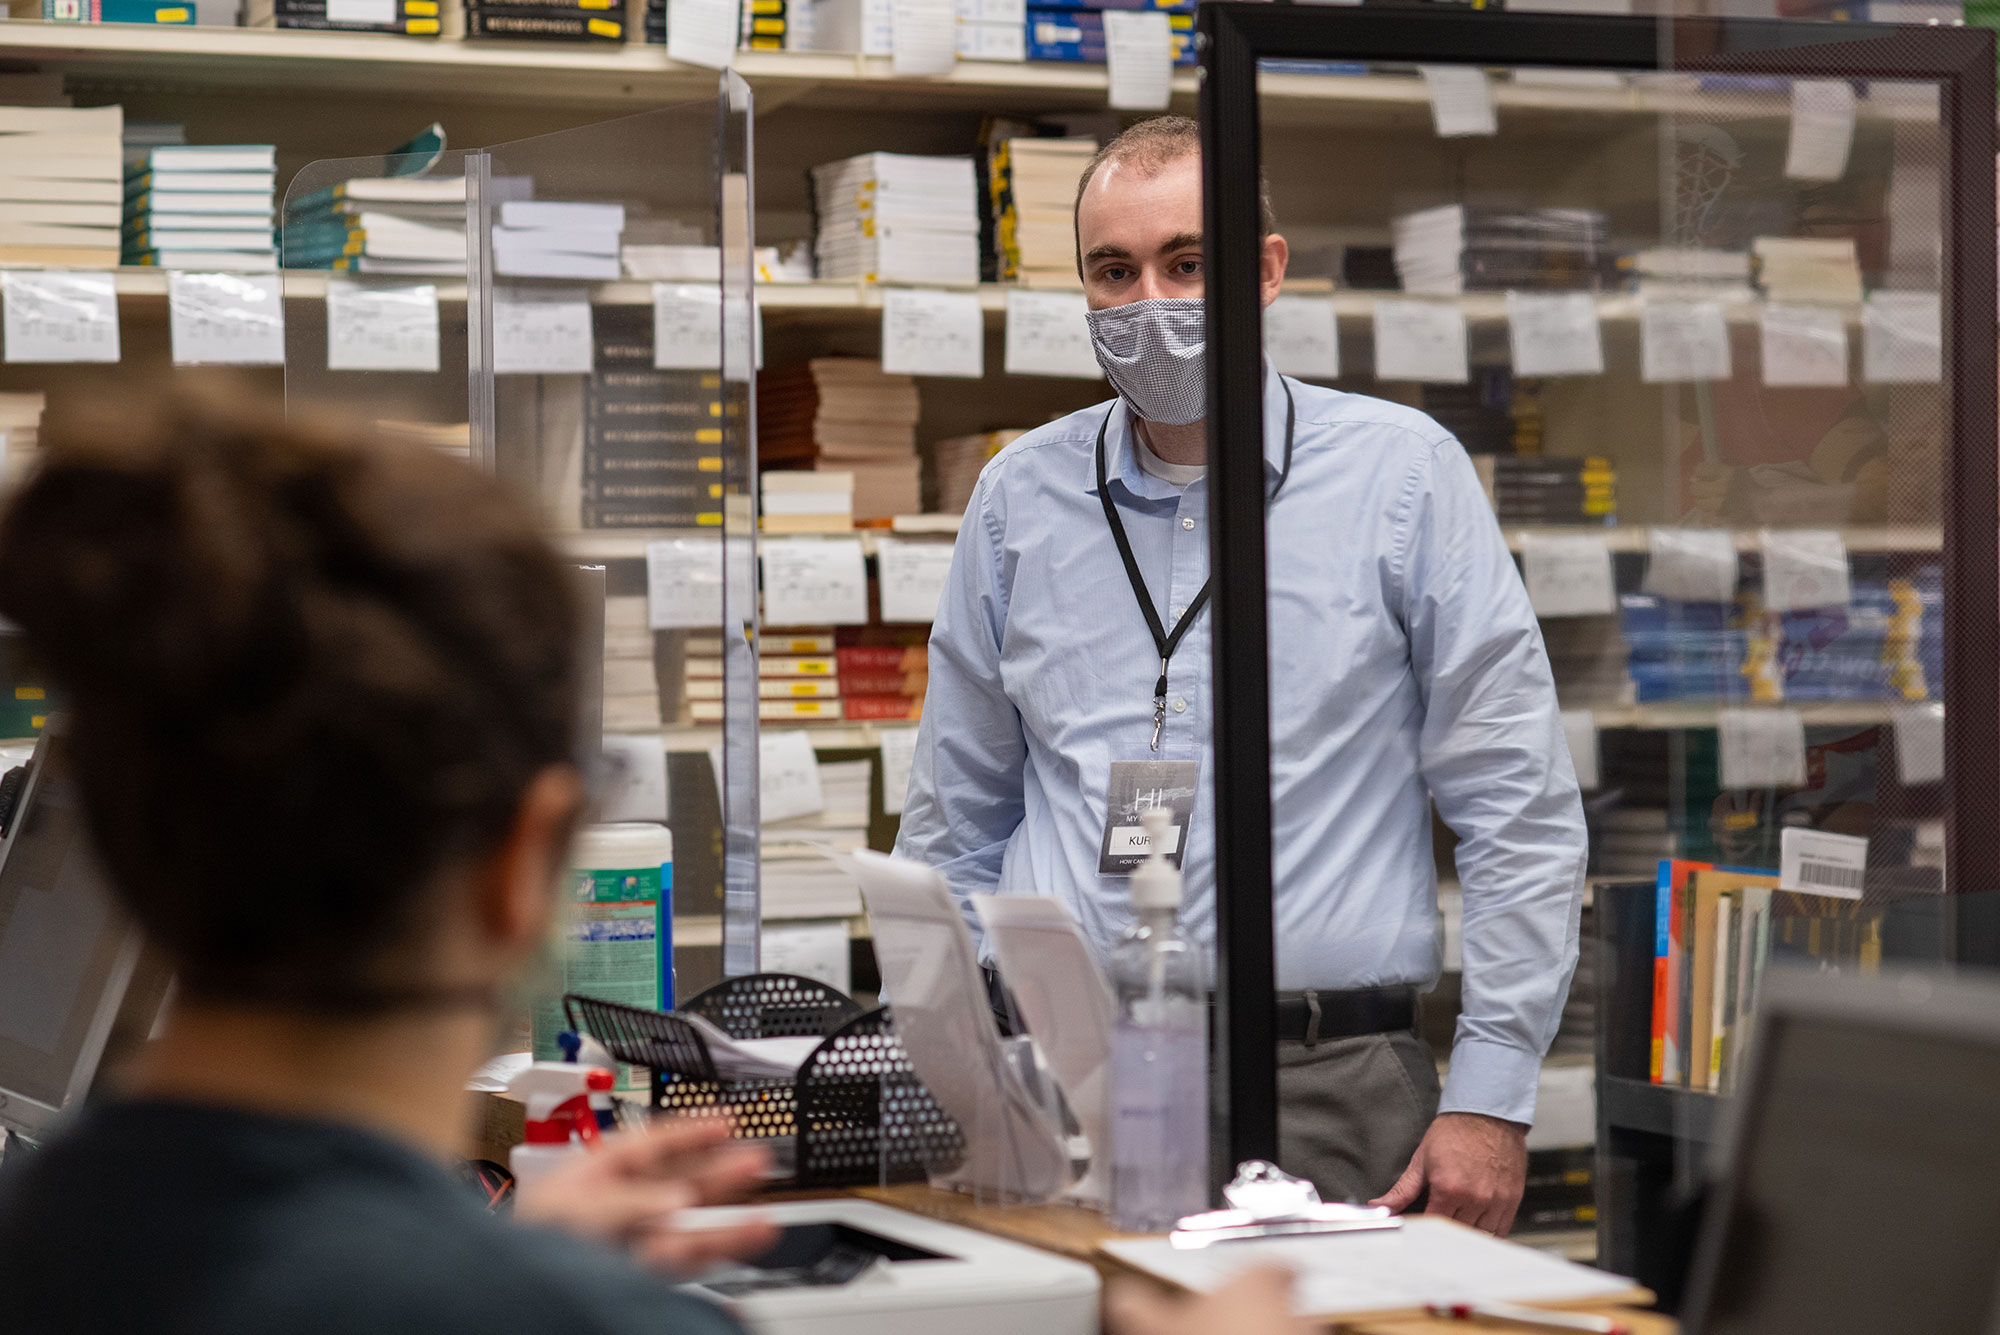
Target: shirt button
{"x":1180,"y":706}
{"x":1175,"y":612}
{"x":1188,"y":523}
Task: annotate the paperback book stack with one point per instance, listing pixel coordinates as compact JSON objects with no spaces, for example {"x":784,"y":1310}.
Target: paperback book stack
{"x":631,"y":687}
{"x":1453,"y":248}
{"x":845,"y":414}
{"x":798,"y":678}
{"x":1493,"y":414}
{"x":885,"y":682}
{"x":556,"y":239}
{"x":1075,"y":34}
{"x":60,"y":190}
{"x":1887,"y":643}
{"x":411,"y":18}
{"x":116,"y":11}
{"x":202,"y":207}
{"x":547,"y":20}
{"x":1691,"y":273}
{"x":894,"y":217}
{"x":652,"y":439}
{"x":386,"y":224}
{"x":1033,"y":185}
{"x":777,"y":25}
{"x":799,"y":878}
{"x":1688,"y":651}
{"x":954,"y":467}
{"x":1542,"y":489}
{"x":800,"y":502}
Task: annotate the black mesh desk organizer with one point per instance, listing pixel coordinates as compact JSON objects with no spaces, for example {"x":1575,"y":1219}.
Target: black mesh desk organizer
{"x":857,"y":1110}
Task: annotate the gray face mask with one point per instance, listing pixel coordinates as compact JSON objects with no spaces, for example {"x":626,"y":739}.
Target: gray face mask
{"x":1155,"y":354}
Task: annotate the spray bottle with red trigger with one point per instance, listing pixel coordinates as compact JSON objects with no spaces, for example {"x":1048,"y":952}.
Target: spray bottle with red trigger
{"x":560,"y":1122}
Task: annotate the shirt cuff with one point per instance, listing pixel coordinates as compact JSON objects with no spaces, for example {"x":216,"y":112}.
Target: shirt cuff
{"x":1491,"y":1078}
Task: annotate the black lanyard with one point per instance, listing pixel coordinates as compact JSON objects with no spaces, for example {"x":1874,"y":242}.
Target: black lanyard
{"x":1163,"y":640}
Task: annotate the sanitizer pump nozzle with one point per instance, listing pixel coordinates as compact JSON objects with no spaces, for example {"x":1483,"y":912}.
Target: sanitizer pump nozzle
{"x":559,"y":1122}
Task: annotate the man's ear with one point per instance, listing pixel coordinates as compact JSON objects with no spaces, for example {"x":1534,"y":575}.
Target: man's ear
{"x":514,"y":888}
{"x":1271,"y":275}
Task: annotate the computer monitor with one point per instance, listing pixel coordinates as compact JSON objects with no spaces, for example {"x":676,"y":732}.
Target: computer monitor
{"x":1857,"y":1184}
{"x":76,"y":979}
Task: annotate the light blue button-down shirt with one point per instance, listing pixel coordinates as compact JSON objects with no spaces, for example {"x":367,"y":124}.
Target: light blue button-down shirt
{"x":1406,"y":666}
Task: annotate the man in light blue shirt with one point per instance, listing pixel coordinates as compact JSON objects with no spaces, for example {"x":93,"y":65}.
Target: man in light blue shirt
{"x":1406,"y":667}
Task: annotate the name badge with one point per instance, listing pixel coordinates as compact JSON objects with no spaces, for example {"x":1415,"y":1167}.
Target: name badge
{"x":1135,"y":787}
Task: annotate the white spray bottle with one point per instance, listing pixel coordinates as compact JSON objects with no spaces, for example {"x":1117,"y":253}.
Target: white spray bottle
{"x":560,"y":1123}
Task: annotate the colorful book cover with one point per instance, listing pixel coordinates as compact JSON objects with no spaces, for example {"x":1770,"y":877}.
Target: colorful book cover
{"x":1669,"y":1035}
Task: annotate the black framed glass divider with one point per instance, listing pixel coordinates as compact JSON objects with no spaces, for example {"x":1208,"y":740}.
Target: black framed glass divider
{"x":1710,"y":306}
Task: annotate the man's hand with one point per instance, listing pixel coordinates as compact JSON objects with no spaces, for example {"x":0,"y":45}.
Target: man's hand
{"x":1475,"y":1167}
{"x":627,"y":1193}
{"x":1256,"y":1302}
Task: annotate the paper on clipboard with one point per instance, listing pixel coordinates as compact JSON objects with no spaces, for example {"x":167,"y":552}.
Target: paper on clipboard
{"x":931,"y":973}
{"x":1066,"y":1002}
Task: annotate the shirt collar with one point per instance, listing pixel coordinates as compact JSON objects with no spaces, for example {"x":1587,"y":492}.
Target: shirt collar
{"x":1121,"y":461}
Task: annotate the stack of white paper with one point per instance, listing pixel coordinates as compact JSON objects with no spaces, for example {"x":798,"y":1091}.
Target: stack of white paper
{"x":752,"y":1058}
{"x":896,"y":218}
{"x":800,"y":878}
{"x":1041,"y":190}
{"x":557,"y":239}
{"x":1429,"y":245}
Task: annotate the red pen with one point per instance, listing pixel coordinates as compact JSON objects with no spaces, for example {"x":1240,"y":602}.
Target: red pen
{"x":1537,"y":1318}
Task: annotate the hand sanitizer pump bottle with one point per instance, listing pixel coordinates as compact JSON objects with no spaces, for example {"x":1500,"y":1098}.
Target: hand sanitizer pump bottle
{"x":1159,"y":1054}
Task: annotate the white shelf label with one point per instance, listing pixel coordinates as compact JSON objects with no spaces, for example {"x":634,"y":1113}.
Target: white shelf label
{"x":923,"y":38}
{"x":1568,"y":576}
{"x":933,"y":333}
{"x":684,"y":584}
{"x":1048,"y":335}
{"x":1822,"y":130}
{"x":912,"y":577}
{"x":1554,"y":333}
{"x":1139,"y":48}
{"x":1919,"y":730}
{"x":817,"y":950}
{"x":899,"y":756}
{"x":542,"y":331}
{"x":787,"y":777}
{"x":1761,"y":748}
{"x":372,"y":328}
{"x":1694,"y":565}
{"x":226,"y":319}
{"x":1803,"y":346}
{"x":1820,"y":863}
{"x":814,"y":582}
{"x":361,"y":11}
{"x":1902,"y":341}
{"x":1420,"y":340}
{"x":55,"y":316}
{"x":1461,"y":100}
{"x":1580,"y":731}
{"x":1804,"y":568}
{"x":1302,"y":337}
{"x":703,"y":32}
{"x":1682,"y":340}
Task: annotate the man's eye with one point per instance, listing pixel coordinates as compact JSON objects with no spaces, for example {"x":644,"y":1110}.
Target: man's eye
{"x":1115,"y":275}
{"x":1188,"y":268}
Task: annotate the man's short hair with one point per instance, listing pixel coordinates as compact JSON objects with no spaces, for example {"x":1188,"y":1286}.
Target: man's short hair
{"x":1149,"y":146}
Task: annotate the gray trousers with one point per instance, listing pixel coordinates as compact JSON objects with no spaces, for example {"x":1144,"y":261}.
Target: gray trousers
{"x":1351,"y":1111}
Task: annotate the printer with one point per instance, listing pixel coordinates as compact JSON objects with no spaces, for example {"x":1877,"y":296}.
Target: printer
{"x":853,"y":1267}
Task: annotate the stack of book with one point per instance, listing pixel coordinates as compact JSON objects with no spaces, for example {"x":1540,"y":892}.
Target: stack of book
{"x":116,"y":11}
{"x":411,"y":18}
{"x":202,"y":207}
{"x":1542,"y":489}
{"x":652,"y":440}
{"x":631,"y":686}
{"x":1588,"y":657}
{"x":1560,"y":1191}
{"x":379,"y":224}
{"x":801,"y":502}
{"x":954,"y":465}
{"x":1492,"y":414}
{"x":894,"y":217}
{"x":1075,"y":34}
{"x":798,"y":678}
{"x":556,"y":239}
{"x":1690,"y":273}
{"x":1887,"y":643}
{"x":845,"y":412}
{"x":20,"y":437}
{"x":546,"y":20}
{"x":656,"y":22}
{"x":1032,"y":183}
{"x":59,"y":185}
{"x":798,"y":878}
{"x":1453,"y":248}
{"x":885,"y":682}
{"x":1687,"y":651}
{"x":778,"y":25}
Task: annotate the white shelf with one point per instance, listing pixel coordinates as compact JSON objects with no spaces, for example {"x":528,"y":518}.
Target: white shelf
{"x":1863,"y":538}
{"x":1671,"y":715}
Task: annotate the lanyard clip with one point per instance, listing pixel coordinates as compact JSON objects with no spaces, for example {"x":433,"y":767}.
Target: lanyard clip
{"x":1160,"y":704}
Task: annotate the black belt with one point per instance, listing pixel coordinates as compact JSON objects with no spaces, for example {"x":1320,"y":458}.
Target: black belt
{"x":1303,"y":1017}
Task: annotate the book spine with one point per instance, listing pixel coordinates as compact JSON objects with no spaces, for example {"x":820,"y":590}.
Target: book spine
{"x":909,"y":685}
{"x":597,"y":516}
{"x":1718,"y":1044}
{"x":1662,"y":994}
{"x":883,"y":708}
{"x":555,"y":27}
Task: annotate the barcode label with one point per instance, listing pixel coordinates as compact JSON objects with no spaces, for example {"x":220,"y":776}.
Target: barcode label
{"x":1832,"y":874}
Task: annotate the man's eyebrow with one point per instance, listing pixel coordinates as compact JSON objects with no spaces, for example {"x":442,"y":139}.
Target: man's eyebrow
{"x":1184,"y":241}
{"x":1106,"y":252}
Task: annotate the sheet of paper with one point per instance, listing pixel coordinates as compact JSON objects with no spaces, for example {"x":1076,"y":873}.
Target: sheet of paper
{"x":1919,"y":730}
{"x":1822,"y":129}
{"x":809,"y":949}
{"x":226,"y":319}
{"x":1804,"y":345}
{"x":1139,"y":47}
{"x":899,"y":757}
{"x":1902,"y":340}
{"x":926,"y":332}
{"x":1065,"y":1002}
{"x":1554,"y":333}
{"x":1427,"y":1260}
{"x":814,"y":582}
{"x":923,"y":38}
{"x":1420,"y":340}
{"x":1682,"y":340}
{"x":684,"y":584}
{"x":1568,"y":576}
{"x":1047,"y":335}
{"x":371,"y":328}
{"x":542,"y":331}
{"x":702,"y":32}
{"x":635,"y":779}
{"x":1302,"y":337}
{"x":1580,"y":731}
{"x":1461,"y":100}
{"x":911,"y":574}
{"x":361,"y":11}
{"x":687,"y":326}
{"x":1804,"y":567}
{"x":1761,"y":748}
{"x":787,"y":776}
{"x":752,"y":1058}
{"x":1694,"y":565}
{"x":931,"y":971}
{"x":56,"y":316}
{"x":1821,"y":863}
